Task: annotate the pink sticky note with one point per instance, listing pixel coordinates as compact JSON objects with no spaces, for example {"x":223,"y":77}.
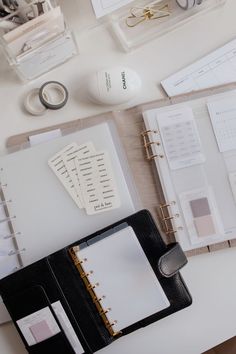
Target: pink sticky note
{"x":41,"y":331}
{"x":205,"y":226}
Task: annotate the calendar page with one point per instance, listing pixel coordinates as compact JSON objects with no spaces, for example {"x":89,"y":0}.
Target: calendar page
{"x":223,"y":119}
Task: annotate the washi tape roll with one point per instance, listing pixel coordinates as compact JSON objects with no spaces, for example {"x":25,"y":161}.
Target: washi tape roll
{"x":53,"y":95}
{"x":186,"y":4}
{"x":33,"y":104}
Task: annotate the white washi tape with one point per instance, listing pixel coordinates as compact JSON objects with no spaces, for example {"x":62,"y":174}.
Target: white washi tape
{"x":33,"y":104}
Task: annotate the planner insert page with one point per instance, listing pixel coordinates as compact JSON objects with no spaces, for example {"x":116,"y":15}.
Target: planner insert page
{"x":120,"y":268}
{"x":180,"y":138}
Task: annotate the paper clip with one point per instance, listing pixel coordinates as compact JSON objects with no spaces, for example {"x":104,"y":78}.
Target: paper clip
{"x":151,"y":12}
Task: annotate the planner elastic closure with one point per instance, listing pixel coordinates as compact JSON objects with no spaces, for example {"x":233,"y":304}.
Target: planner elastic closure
{"x":90,"y":288}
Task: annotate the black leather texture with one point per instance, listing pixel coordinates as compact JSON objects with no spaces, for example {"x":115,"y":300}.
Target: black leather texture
{"x":55,"y":278}
{"x":172,"y":261}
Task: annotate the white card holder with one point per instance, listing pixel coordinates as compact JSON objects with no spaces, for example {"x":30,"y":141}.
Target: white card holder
{"x":39,"y":43}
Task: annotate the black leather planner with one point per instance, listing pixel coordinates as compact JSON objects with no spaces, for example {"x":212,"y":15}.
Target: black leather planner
{"x":56,"y":305}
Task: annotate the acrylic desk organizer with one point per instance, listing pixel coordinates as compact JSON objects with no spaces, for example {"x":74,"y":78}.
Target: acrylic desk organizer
{"x":35,"y":39}
{"x":144,"y":20}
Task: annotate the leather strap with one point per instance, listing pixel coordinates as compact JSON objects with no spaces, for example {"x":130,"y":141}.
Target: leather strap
{"x":172,"y":261}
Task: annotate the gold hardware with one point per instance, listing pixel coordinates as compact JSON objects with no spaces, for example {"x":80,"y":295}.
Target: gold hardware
{"x":90,"y":288}
{"x":148,"y":144}
{"x":166,"y":217}
{"x":86,"y":274}
{"x":113,"y":323}
{"x":149,"y":131}
{"x":105,"y":311}
{"x":170,"y":232}
{"x":100,"y":299}
{"x":152,"y":12}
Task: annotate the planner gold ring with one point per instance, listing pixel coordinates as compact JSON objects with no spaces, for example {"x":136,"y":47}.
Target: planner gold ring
{"x":141,"y":14}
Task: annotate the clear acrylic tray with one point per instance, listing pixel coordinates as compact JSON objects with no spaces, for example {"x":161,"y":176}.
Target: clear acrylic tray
{"x":132,"y":37}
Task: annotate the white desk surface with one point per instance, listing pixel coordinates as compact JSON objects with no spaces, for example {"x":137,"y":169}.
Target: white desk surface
{"x":210,"y":277}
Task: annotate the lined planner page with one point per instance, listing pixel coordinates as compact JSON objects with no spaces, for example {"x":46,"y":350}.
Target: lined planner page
{"x":217,"y":68}
{"x":126,"y":278}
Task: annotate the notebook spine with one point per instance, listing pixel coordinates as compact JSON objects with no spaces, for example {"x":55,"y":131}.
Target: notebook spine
{"x":8,"y":218}
{"x":149,"y":145}
{"x":90,"y":288}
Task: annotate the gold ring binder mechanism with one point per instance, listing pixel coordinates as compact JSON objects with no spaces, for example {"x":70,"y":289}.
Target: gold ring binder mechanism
{"x":90,"y":288}
{"x":148,"y":145}
{"x":8,"y":219}
{"x":166,"y":217}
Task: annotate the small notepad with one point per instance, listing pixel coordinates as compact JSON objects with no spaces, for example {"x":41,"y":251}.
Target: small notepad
{"x":126,"y":282}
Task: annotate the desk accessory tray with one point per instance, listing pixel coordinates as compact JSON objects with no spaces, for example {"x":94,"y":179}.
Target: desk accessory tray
{"x":147,"y":29}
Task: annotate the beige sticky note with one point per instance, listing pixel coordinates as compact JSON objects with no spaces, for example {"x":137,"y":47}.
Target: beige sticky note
{"x":204,"y":226}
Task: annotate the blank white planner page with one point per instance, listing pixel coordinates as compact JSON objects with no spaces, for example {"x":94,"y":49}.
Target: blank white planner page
{"x":45,"y":214}
{"x":125,"y":277}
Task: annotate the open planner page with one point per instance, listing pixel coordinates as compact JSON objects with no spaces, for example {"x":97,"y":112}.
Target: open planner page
{"x":44,"y":213}
{"x":195,"y":147}
{"x":126,"y":281}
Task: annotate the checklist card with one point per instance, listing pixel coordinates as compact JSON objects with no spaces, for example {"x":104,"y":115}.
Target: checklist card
{"x":180,"y":138}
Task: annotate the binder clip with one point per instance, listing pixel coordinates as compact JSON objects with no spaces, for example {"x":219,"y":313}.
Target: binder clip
{"x":154,"y":11}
